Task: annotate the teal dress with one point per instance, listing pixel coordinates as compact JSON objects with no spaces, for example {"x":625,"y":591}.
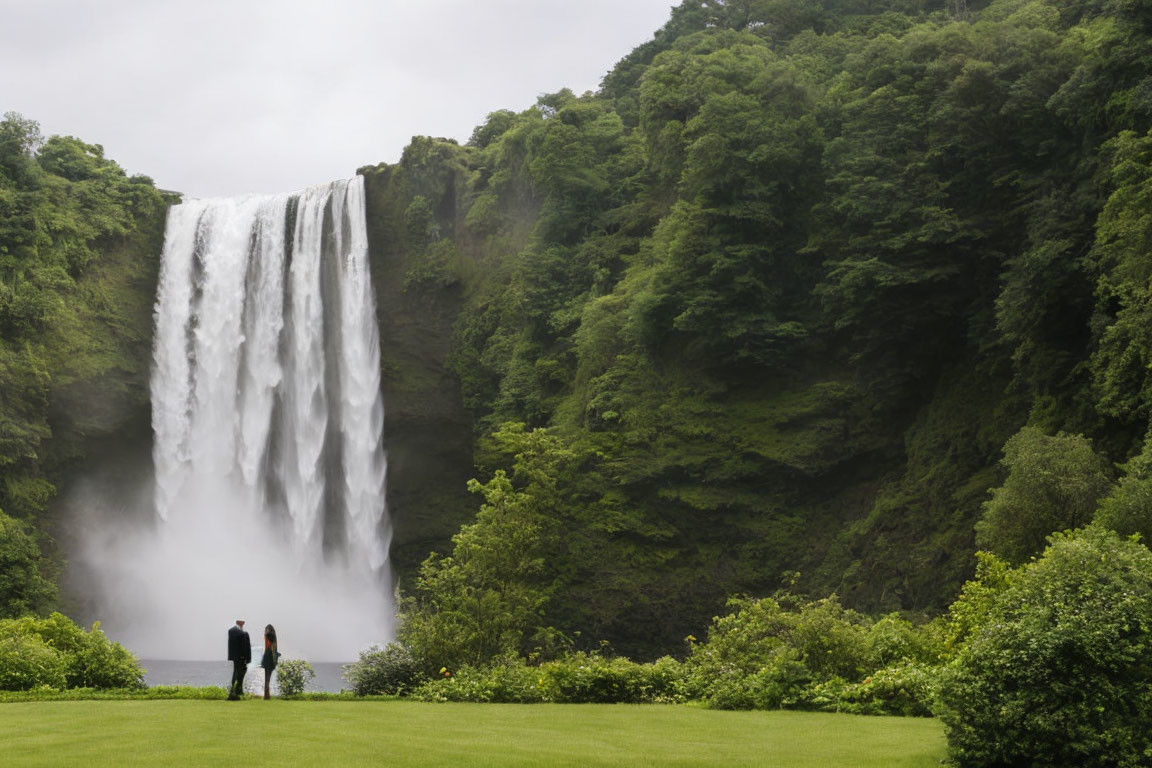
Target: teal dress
{"x":268,"y":662}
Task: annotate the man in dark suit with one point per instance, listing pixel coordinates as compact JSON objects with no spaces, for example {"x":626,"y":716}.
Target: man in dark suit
{"x":239,"y":653}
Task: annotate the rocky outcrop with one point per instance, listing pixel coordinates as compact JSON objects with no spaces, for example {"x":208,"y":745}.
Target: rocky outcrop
{"x":427,"y":430}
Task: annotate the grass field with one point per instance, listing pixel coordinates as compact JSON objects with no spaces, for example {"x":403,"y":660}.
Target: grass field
{"x":400,"y":733}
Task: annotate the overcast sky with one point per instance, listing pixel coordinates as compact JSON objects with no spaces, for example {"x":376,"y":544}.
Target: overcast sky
{"x":223,"y":97}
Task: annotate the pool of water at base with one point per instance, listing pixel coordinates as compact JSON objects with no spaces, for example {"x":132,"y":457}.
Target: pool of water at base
{"x":329,"y":675}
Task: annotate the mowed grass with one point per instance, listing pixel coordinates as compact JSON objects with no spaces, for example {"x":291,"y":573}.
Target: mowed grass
{"x":402,"y":733}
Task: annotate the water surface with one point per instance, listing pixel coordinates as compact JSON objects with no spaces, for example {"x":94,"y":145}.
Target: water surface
{"x":329,"y":675}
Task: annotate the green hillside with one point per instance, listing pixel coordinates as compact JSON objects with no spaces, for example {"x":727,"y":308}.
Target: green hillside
{"x":781,"y":291}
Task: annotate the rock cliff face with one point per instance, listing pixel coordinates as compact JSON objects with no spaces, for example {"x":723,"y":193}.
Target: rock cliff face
{"x":427,"y":431}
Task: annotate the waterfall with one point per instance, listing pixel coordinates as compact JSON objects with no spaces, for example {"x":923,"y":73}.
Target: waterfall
{"x":268,"y":420}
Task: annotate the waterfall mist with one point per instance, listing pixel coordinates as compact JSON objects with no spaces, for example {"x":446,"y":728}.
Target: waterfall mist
{"x":267,"y":419}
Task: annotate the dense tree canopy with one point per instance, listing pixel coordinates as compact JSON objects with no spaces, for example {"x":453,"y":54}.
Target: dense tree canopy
{"x":79,"y":246}
{"x":773,"y":300}
{"x":786,"y":286}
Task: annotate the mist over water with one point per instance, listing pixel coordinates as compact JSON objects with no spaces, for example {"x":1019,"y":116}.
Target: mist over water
{"x":267,"y":419}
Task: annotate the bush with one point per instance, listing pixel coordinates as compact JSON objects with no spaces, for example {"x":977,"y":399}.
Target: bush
{"x":294,"y":676}
{"x":1059,"y":672}
{"x":391,"y":671}
{"x":664,"y":680}
{"x":907,"y":690}
{"x":27,"y":662}
{"x":767,"y":651}
{"x":90,"y":659}
{"x":893,"y":641}
{"x":507,"y":682}
{"x":789,"y":651}
{"x":590,"y":677}
{"x":777,"y":681}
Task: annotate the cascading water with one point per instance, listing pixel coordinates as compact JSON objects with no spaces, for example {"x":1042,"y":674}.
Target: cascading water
{"x":267,"y":414}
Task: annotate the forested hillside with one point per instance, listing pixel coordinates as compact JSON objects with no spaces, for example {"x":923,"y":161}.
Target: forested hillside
{"x":818,"y":294}
{"x":780,"y":292}
{"x":79,"y":249}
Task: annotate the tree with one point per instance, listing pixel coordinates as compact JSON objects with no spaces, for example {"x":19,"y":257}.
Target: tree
{"x":1128,"y":509}
{"x":23,"y":587}
{"x":1053,"y":484}
{"x":485,"y":599}
{"x":20,"y":139}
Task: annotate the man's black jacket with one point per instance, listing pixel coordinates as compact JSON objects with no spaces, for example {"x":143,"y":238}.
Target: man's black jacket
{"x":239,"y":646}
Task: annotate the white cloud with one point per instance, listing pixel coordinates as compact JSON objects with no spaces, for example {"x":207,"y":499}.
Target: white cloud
{"x":221,"y":97}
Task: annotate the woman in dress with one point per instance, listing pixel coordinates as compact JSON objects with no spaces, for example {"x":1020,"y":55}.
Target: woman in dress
{"x":270,"y":656}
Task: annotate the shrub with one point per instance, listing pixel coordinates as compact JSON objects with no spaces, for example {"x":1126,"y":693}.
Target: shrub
{"x":509,"y":682}
{"x":1128,"y":509}
{"x":27,"y":662}
{"x":892,"y":641}
{"x":575,"y":678}
{"x":777,"y":681}
{"x":391,"y":671}
{"x":294,"y":676}
{"x":589,"y":677}
{"x":767,"y":651}
{"x":664,"y":680}
{"x":1059,"y":673}
{"x":907,"y":690}
{"x":90,"y":659}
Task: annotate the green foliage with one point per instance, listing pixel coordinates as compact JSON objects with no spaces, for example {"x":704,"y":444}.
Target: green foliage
{"x":1053,"y":484}
{"x":155,"y":692}
{"x":972,"y":610}
{"x":79,"y":247}
{"x":907,"y":690}
{"x":787,"y":284}
{"x":389,"y":671}
{"x":293,"y":675}
{"x":485,"y":600}
{"x":795,"y":653}
{"x":508,"y":682}
{"x":436,"y":269}
{"x":23,"y":586}
{"x":1057,"y":672}
{"x":28,"y":662}
{"x":574,"y":678}
{"x":593,"y":678}
{"x":1124,"y":232}
{"x":1128,"y":509}
{"x":85,"y":658}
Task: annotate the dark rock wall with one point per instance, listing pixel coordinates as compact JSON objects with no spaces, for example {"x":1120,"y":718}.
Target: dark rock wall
{"x":427,"y":431}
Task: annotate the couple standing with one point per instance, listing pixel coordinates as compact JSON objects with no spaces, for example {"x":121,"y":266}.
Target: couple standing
{"x":240,"y":654}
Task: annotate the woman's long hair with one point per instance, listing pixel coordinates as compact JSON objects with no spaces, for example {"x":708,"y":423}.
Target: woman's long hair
{"x":270,"y":634}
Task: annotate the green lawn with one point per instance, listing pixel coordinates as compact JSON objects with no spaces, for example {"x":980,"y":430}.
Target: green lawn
{"x":400,"y":733}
